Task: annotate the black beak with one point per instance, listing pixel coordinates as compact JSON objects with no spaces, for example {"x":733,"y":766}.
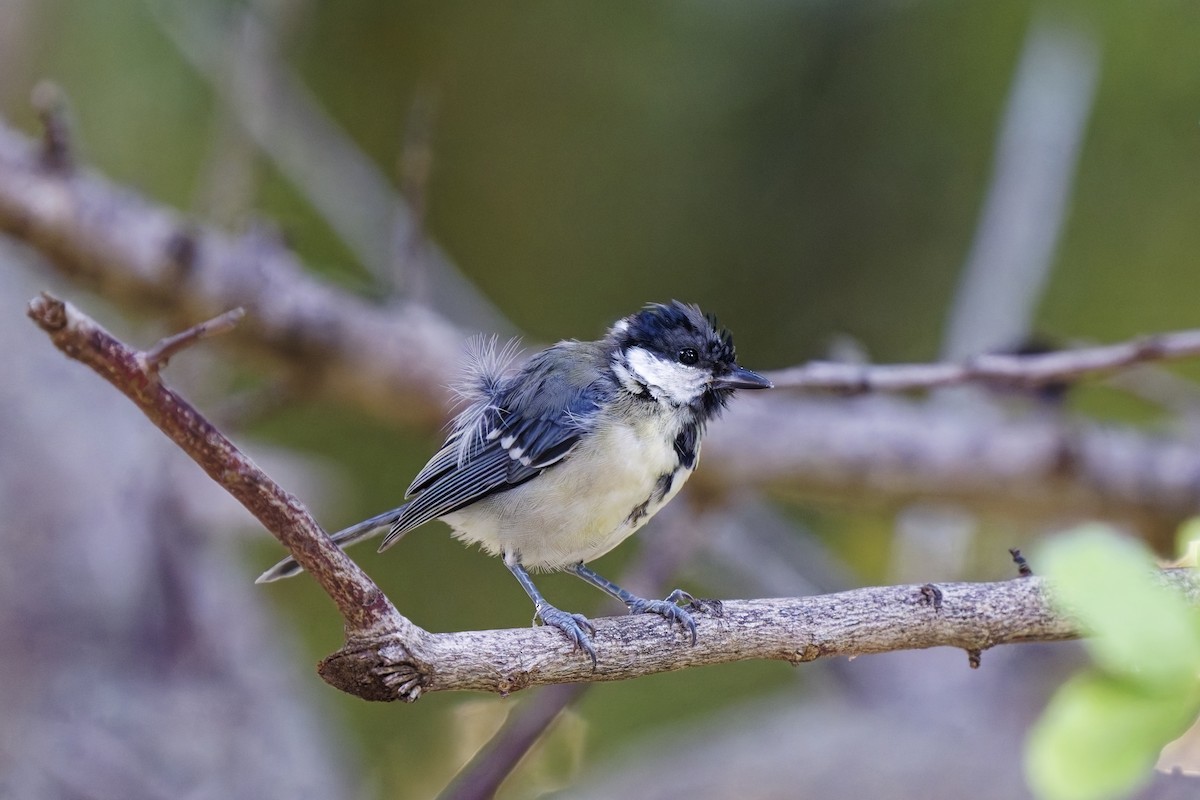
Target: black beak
{"x":742,"y":378}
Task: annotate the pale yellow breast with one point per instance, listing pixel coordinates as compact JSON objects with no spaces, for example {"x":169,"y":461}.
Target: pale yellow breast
{"x":579,"y":509}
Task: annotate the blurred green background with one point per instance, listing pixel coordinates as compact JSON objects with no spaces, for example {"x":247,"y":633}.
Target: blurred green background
{"x":801,"y":169}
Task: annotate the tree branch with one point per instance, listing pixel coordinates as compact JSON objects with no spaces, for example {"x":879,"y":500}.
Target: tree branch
{"x":971,"y":616}
{"x":157,"y":357}
{"x":387,"y":657}
{"x":1018,"y":371}
{"x":481,"y":778}
{"x":887,"y":451}
{"x":396,"y":361}
{"x":365,"y":608}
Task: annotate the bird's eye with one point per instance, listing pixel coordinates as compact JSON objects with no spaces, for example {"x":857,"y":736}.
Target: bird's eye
{"x":688,"y":356}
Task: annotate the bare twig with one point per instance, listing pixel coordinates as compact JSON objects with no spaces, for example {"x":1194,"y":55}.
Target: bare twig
{"x":365,"y":608}
{"x":992,"y":368}
{"x":157,"y":357}
{"x":120,"y":574}
{"x":885,"y":450}
{"x":397,"y":360}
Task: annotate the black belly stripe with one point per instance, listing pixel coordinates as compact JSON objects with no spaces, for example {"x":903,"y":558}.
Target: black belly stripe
{"x":638,"y":514}
{"x":685,"y":444}
{"x":663,"y":487}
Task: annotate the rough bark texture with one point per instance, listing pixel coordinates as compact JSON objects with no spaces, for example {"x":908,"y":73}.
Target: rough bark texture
{"x":970,"y":616}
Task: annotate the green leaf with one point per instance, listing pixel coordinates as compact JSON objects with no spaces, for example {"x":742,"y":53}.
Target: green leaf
{"x":1139,"y":629}
{"x":1099,"y":738}
{"x":1187,"y":542}
{"x":1103,"y":730}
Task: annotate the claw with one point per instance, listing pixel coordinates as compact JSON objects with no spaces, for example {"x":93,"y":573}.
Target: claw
{"x":578,"y":628}
{"x":701,"y":604}
{"x":667,"y":609}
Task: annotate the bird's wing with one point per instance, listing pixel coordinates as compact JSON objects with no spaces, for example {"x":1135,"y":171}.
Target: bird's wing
{"x":443,"y":461}
{"x":507,"y":449}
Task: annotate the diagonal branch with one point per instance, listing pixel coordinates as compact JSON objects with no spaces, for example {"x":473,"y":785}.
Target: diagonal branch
{"x":313,"y":152}
{"x":157,"y":357}
{"x":481,"y":778}
{"x":365,"y":608}
{"x":394,"y":360}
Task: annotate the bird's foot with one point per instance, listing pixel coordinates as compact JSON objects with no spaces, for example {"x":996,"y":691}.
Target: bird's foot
{"x":670,"y":609}
{"x":706,"y":605}
{"x":578,"y":628}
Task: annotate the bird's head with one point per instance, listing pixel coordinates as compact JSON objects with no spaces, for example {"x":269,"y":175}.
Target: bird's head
{"x":675,"y":354}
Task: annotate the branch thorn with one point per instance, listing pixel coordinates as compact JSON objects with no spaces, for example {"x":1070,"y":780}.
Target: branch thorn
{"x":1023,"y":567}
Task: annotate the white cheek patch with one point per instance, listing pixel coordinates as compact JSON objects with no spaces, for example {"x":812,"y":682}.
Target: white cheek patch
{"x":675,"y":383}
{"x":628,"y":381}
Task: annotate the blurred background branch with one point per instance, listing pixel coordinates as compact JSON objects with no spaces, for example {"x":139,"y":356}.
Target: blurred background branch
{"x":1040,"y":139}
{"x":288,"y":125}
{"x":397,"y":361}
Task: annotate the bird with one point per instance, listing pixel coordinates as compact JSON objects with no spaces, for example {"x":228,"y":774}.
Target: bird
{"x":554,"y":464}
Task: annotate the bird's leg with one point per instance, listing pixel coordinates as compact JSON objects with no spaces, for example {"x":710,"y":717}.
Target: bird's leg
{"x":577,"y":627}
{"x":640,"y":605}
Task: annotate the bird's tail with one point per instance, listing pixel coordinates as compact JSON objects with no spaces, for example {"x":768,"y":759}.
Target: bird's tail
{"x":343,"y":538}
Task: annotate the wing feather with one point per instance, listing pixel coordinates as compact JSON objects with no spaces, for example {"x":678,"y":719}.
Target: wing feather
{"x":442,"y":461}
{"x":507,"y":446}
{"x":484,"y":474}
